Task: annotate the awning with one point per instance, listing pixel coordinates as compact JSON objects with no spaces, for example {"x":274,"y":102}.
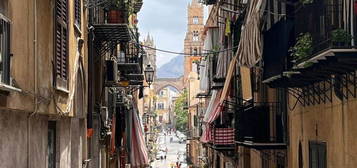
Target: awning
{"x":250,"y":45}
{"x":138,"y":156}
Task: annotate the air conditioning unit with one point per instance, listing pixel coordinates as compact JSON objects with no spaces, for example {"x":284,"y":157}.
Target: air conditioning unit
{"x":112,"y":72}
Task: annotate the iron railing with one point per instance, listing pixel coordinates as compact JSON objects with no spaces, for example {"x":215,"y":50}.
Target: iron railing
{"x":320,"y":20}
{"x":262,"y":122}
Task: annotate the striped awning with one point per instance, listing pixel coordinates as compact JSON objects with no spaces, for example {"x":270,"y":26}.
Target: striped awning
{"x":139,"y":155}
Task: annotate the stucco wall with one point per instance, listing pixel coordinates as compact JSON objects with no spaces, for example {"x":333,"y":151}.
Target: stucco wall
{"x":32,"y":39}
{"x":333,"y":123}
{"x":16,"y":129}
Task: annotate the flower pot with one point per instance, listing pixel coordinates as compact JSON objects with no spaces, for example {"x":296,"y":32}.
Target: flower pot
{"x":115,"y":16}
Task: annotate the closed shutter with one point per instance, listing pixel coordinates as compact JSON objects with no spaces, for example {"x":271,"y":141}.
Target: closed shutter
{"x":77,"y":12}
{"x":61,"y":46}
{"x":4,"y":51}
{"x":317,"y":154}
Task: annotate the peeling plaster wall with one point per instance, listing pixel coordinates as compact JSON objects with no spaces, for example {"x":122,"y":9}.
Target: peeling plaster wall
{"x":18,"y":152}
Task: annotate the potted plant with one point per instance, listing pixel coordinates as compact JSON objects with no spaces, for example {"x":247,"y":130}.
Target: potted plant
{"x":303,"y":47}
{"x":115,"y":14}
{"x":340,"y":37}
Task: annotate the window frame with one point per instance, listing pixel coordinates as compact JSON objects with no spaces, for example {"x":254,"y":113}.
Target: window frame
{"x":61,"y":63}
{"x":195,"y":35}
{"x":78,"y":14}
{"x":195,"y":20}
{"x":5,"y":42}
{"x":320,"y":149}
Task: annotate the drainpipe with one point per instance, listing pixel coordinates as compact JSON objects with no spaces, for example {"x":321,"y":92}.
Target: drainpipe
{"x":35,"y":87}
{"x":352,"y":22}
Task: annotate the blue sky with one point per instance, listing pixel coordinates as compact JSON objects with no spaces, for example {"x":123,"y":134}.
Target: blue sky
{"x":166,"y":21}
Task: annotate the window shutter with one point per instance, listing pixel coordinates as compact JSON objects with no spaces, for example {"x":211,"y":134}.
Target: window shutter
{"x":322,"y":155}
{"x":61,"y":46}
{"x":77,"y":12}
{"x":5,"y":51}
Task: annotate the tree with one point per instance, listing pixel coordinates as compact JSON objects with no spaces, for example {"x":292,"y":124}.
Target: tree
{"x":181,"y":112}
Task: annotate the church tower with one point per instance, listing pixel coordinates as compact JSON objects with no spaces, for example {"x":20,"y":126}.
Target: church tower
{"x":193,"y":44}
{"x":150,"y":57}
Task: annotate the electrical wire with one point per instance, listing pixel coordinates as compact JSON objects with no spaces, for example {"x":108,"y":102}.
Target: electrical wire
{"x":182,"y":53}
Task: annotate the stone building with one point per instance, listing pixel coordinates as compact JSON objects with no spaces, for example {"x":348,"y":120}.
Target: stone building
{"x":43,"y":72}
{"x":150,"y":58}
{"x":193,"y":41}
{"x":193,"y":47}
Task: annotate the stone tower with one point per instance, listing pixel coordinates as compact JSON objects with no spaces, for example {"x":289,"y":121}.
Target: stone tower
{"x":193,"y":41}
{"x":150,"y":53}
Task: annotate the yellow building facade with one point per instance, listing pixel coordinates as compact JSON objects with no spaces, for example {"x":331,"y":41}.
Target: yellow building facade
{"x":42,"y":87}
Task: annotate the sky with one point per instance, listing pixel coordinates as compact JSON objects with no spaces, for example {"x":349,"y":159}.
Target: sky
{"x":166,"y":21}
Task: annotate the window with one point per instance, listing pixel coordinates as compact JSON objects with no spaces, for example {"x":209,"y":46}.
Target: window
{"x":161,"y":106}
{"x":77,"y":13}
{"x":161,"y":93}
{"x":4,"y":50}
{"x":317,"y":154}
{"x":51,"y":144}
{"x":195,"y":52}
{"x":195,"y":36}
{"x":61,"y":44}
{"x":195,"y":20}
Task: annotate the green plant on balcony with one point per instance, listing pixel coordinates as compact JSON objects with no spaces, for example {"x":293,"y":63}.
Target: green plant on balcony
{"x":340,"y":37}
{"x":303,"y":47}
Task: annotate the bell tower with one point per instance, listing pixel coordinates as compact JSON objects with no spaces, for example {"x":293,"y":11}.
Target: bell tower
{"x":193,"y":45}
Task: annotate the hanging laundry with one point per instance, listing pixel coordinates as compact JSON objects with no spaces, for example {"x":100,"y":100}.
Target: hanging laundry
{"x":228,"y":27}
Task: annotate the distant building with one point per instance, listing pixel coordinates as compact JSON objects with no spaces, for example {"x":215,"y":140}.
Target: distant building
{"x":165,"y":99}
{"x":150,"y":57}
{"x":193,"y":45}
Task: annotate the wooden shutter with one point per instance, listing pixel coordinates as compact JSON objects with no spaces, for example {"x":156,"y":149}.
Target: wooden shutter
{"x":77,"y":12}
{"x":317,"y":154}
{"x":61,"y":44}
{"x":5,"y":50}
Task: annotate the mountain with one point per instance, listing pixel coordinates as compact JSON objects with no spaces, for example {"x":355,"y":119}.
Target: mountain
{"x":172,"y":69}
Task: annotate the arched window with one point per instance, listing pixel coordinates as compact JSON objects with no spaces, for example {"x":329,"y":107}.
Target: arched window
{"x":195,"y":20}
{"x":195,"y":36}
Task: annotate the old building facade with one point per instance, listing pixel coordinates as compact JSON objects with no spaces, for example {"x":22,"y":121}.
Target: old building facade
{"x":193,"y":41}
{"x":43,"y":83}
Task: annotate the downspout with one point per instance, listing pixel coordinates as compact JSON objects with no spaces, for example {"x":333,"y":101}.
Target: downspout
{"x":352,"y":23}
{"x":35,"y":87}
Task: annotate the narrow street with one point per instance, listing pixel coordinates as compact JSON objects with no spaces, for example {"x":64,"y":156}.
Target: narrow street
{"x":176,"y":151}
{"x":178,"y":83}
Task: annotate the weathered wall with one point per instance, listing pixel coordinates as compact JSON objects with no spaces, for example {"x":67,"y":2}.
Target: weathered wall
{"x":24,"y":141}
{"x":32,"y":39}
{"x":333,"y":123}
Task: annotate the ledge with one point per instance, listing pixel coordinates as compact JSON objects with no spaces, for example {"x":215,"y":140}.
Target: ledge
{"x":8,"y":88}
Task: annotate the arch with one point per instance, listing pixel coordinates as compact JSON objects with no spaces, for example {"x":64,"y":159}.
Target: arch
{"x":168,"y":85}
{"x":161,"y":83}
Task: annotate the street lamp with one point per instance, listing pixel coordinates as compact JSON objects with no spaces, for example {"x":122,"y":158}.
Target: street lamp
{"x":149,"y":74}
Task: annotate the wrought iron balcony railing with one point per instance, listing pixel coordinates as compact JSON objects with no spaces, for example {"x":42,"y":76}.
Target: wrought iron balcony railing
{"x":325,"y":24}
{"x":261,"y":123}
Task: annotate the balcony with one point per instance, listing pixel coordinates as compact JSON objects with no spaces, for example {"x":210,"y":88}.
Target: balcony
{"x":130,"y":63}
{"x":261,"y":126}
{"x":328,"y":48}
{"x":222,"y":139}
{"x":111,"y":27}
